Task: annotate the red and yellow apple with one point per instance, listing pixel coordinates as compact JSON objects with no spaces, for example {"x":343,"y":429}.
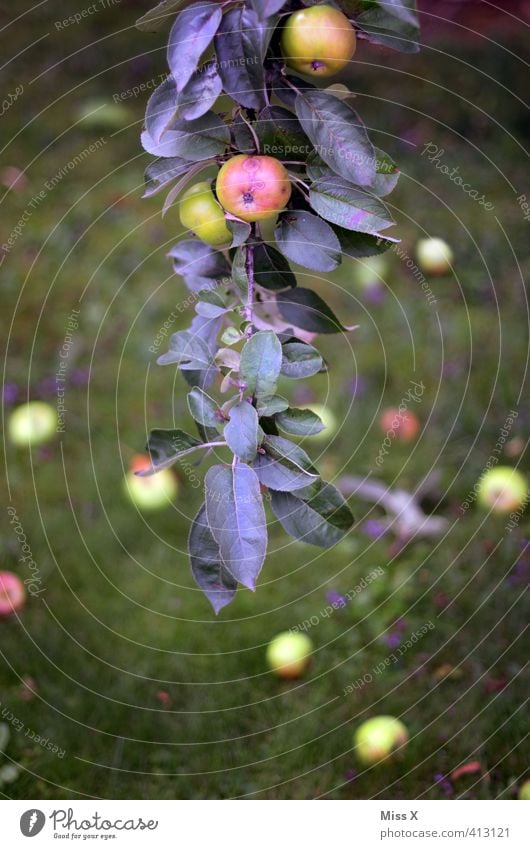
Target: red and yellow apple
{"x":200,"y":212}
{"x":404,"y":424}
{"x":152,"y":492}
{"x":502,"y":489}
{"x":12,"y":594}
{"x":32,"y":423}
{"x":253,"y":188}
{"x":289,"y":654}
{"x":377,"y":738}
{"x":319,"y":41}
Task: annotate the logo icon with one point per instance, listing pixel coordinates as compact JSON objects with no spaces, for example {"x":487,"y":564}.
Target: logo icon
{"x":32,"y":822}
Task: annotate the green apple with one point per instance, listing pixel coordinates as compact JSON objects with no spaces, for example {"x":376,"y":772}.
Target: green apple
{"x":524,"y":791}
{"x":289,"y":654}
{"x":318,"y":41}
{"x":254,"y":188}
{"x":376,"y":739}
{"x":434,"y":256}
{"x":200,"y":212}
{"x":502,"y":489}
{"x":32,"y":424}
{"x":152,"y":492}
{"x":329,"y":420}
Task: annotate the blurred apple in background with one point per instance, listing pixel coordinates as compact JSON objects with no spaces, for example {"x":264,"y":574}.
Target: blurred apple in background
{"x":524,"y":791}
{"x":434,"y":256}
{"x":328,"y":418}
{"x":12,"y":594}
{"x":32,"y":424}
{"x":378,"y":737}
{"x":289,"y":654}
{"x":152,"y":492}
{"x":405,"y":425}
{"x":502,"y":489}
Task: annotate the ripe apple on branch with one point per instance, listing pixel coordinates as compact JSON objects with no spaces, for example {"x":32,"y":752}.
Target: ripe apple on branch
{"x":249,"y":216}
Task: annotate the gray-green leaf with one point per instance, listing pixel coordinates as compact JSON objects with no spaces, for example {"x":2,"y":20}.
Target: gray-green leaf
{"x":299,"y":422}
{"x":322,"y":519}
{"x":207,"y":567}
{"x":241,"y":432}
{"x":261,"y":361}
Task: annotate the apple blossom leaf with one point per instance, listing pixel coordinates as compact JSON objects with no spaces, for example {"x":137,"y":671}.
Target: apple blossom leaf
{"x":271,"y":404}
{"x":165,"y":447}
{"x":241,"y":45}
{"x":191,"y":34}
{"x":280,"y":134}
{"x":200,"y":92}
{"x":392,"y":23}
{"x":307,"y":240}
{"x":241,"y":432}
{"x":234,"y":507}
{"x":265,"y":8}
{"x":338,"y":134}
{"x":284,"y":91}
{"x":299,"y":422}
{"x":242,"y":135}
{"x":349,"y":207}
{"x":271,"y":269}
{"x":386,"y":174}
{"x":161,"y":172}
{"x":357,"y":245}
{"x":207,"y":566}
{"x":155,"y":18}
{"x":194,"y":141}
{"x":240,"y":232}
{"x":161,"y":111}
{"x":204,"y":409}
{"x":300,"y":360}
{"x":187,"y":350}
{"x":283,"y":465}
{"x":261,"y":361}
{"x":321,"y":519}
{"x":199,"y":265}
{"x":206,"y":329}
{"x":305,"y":309}
{"x":239,"y":272}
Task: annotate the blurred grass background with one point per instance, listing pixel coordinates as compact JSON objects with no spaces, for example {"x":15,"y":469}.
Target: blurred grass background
{"x":130,"y":673}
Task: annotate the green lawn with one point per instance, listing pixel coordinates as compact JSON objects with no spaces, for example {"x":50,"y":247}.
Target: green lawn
{"x":145,"y":691}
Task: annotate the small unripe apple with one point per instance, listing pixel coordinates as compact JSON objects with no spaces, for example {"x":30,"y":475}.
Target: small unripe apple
{"x":318,"y":41}
{"x":152,"y":492}
{"x":378,"y":737}
{"x":32,"y":423}
{"x":200,"y":212}
{"x":329,"y":420}
{"x":404,"y":424}
{"x":12,"y":593}
{"x":434,"y":256}
{"x":502,"y":489}
{"x":289,"y":654}
{"x":524,"y":791}
{"x":253,"y":188}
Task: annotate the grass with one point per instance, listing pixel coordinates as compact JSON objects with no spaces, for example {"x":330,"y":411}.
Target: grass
{"x":146,"y":692}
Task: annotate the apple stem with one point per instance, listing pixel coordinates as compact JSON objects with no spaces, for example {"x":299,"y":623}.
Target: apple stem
{"x":249,"y":268}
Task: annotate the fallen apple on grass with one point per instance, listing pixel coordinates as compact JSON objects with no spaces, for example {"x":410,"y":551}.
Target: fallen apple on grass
{"x":12,"y":594}
{"x":289,"y":654}
{"x":434,"y":256}
{"x":502,"y":489}
{"x":152,"y":492}
{"x":404,"y":425}
{"x":32,"y":423}
{"x":377,"y":738}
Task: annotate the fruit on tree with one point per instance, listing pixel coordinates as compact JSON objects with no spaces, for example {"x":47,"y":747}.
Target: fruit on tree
{"x":377,"y":738}
{"x":434,"y":256}
{"x":524,"y":791}
{"x":502,"y":489}
{"x":12,"y":593}
{"x":403,"y":424}
{"x":289,"y":654}
{"x":318,"y":41}
{"x":200,"y":212}
{"x":32,"y":423}
{"x":152,"y":492}
{"x":253,"y":188}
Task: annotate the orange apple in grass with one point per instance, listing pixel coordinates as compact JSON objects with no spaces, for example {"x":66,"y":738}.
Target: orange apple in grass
{"x":152,"y":492}
{"x":404,"y":424}
{"x":12,"y":594}
{"x":253,"y":188}
{"x":318,"y":41}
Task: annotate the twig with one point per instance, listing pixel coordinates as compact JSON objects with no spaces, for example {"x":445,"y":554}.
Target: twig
{"x":249,"y":268}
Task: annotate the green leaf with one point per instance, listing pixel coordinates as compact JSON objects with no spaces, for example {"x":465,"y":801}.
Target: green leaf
{"x":387,"y":174}
{"x":187,"y":350}
{"x":357,"y":245}
{"x":261,"y":361}
{"x":198,"y":264}
{"x":234,"y":507}
{"x":241,"y":432}
{"x":265,"y":8}
{"x":165,"y":447}
{"x":269,"y":405}
{"x":194,"y":141}
{"x":271,"y":269}
{"x":239,"y":272}
{"x":200,"y":92}
{"x":392,"y":23}
{"x":338,"y":135}
{"x":299,"y":422}
{"x":162,"y":13}
{"x":161,"y":109}
{"x":280,"y":134}
{"x":322,"y":519}
{"x":349,"y":207}
{"x":240,"y":231}
{"x":207,"y":567}
{"x":282,"y":465}
{"x":307,"y":240}
{"x":300,"y":360}
{"x":204,"y":409}
{"x":191,"y":34}
{"x":305,"y":309}
{"x":161,"y":172}
{"x":241,"y":45}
